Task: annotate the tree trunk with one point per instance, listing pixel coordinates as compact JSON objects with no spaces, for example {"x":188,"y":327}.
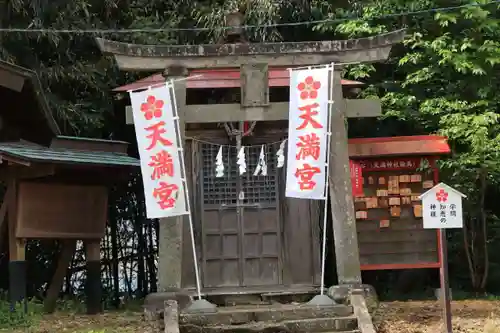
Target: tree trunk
{"x":467,"y":247}
{"x":484,"y":233}
{"x":114,"y":254}
{"x":476,"y":238}
{"x":67,"y":251}
{"x":69,"y":273}
{"x":151,"y":259}
{"x":132,"y":266}
{"x":125,"y":274}
{"x":106,"y":255}
{"x":139,"y":227}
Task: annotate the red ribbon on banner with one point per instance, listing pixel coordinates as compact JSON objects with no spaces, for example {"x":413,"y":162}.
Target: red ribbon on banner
{"x":356,"y":178}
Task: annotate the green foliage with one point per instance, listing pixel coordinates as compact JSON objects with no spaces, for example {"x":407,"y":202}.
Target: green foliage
{"x":445,"y":78}
{"x":69,"y":316}
{"x":445,"y":81}
{"x":17,"y":317}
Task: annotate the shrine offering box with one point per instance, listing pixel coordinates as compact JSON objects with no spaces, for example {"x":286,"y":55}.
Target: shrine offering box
{"x":389,"y":213}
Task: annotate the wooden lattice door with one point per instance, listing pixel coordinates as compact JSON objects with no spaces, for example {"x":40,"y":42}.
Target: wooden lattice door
{"x":241,"y":237}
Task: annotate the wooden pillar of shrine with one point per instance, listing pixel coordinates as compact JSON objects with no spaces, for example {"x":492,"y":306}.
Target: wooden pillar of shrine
{"x":171,"y":228}
{"x":341,"y":200}
{"x":93,"y":285}
{"x":17,"y":250}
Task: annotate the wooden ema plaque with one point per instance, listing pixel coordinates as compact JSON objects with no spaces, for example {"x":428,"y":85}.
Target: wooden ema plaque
{"x":389,"y":214}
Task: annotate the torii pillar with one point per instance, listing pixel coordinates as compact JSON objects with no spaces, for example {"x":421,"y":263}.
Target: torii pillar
{"x":253,"y":61}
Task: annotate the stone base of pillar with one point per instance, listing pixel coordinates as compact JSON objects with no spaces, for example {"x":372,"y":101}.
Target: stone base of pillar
{"x":201,"y":306}
{"x":342,"y":294}
{"x":17,"y":283}
{"x":321,"y":300}
{"x":157,"y":300}
{"x":93,"y":287}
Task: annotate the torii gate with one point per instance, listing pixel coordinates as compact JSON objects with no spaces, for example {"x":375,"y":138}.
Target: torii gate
{"x":253,"y":61}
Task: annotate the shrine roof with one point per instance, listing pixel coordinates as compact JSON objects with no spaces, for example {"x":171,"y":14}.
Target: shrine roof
{"x":78,"y":138}
{"x":29,"y":152}
{"x":25,"y":105}
{"x":399,"y":146}
{"x":220,"y":78}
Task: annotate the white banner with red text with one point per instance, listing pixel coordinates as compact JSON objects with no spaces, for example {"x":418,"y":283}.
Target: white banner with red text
{"x":308,"y":133}
{"x":156,"y":129}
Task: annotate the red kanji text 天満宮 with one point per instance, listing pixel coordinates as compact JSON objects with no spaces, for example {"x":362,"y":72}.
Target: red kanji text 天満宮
{"x":309,"y":145}
{"x":162,"y":164}
{"x":307,"y":116}
{"x":305,"y":176}
{"x":166,"y":194}
{"x":156,"y":131}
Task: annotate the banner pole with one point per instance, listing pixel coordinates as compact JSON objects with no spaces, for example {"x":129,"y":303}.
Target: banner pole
{"x":186,"y":187}
{"x":160,"y":84}
{"x":327,"y":183}
{"x":322,"y":299}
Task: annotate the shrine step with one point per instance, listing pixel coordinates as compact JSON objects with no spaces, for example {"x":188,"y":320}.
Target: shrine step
{"x":324,"y":325}
{"x":237,"y":315}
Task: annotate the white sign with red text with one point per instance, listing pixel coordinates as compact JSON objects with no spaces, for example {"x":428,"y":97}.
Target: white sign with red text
{"x":307,"y":133}
{"x":155,"y":129}
{"x":442,"y":208}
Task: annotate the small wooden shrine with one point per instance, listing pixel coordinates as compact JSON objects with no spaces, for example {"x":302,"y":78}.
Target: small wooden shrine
{"x":263,"y":241}
{"x":271,"y":264}
{"x":56,"y":186}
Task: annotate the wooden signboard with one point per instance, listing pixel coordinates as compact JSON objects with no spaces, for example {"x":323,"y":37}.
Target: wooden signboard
{"x":47,"y":210}
{"x":389,"y":214}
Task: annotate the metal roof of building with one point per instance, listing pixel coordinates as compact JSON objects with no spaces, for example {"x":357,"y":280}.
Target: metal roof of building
{"x":31,"y":152}
{"x":220,"y":78}
{"x":399,"y":146}
{"x":79,"y":138}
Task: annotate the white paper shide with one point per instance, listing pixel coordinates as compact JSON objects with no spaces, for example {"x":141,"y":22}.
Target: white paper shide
{"x":240,"y":161}
{"x":307,"y":133}
{"x":442,"y":208}
{"x":261,"y":168}
{"x":219,"y":164}
{"x":280,"y":155}
{"x":155,"y":128}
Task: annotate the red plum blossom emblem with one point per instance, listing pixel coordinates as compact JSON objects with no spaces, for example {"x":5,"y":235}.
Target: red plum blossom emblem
{"x":309,"y":88}
{"x":152,"y":107}
{"x":441,"y":195}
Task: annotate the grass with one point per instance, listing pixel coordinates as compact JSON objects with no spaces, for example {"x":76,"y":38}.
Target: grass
{"x":109,"y":322}
{"x":69,"y":318}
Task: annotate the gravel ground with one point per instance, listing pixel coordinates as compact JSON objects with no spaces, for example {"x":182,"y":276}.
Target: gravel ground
{"x":471,"y":316}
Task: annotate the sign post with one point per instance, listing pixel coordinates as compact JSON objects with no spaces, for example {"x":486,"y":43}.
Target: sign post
{"x":442,"y":209}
